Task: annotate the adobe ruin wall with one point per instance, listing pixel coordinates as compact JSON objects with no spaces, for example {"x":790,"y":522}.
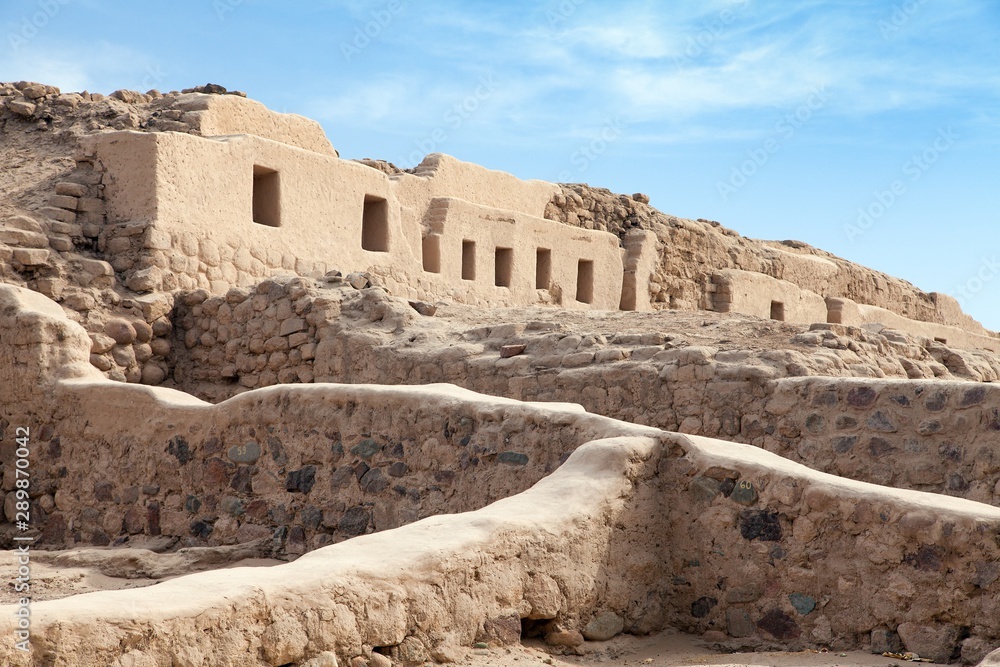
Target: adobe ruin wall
{"x":285,"y":332}
{"x":736,"y":552}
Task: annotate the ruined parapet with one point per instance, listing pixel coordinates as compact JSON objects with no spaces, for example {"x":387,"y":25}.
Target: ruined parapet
{"x":848,"y":312}
{"x":222,"y":115}
{"x":39,"y":347}
{"x":639,"y":258}
{"x":440,"y":175}
{"x":760,"y":295}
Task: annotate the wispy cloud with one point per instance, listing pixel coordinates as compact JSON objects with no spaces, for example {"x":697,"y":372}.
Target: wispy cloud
{"x":107,"y":66}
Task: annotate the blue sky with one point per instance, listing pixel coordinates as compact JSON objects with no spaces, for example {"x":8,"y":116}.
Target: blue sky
{"x":867,"y":128}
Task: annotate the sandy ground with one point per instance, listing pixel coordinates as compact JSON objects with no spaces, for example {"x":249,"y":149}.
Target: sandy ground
{"x":60,"y":574}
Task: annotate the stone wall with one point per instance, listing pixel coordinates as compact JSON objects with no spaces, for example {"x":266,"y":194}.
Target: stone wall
{"x":639,"y":532}
{"x":305,"y":466}
{"x":764,"y":551}
{"x":884,"y":431}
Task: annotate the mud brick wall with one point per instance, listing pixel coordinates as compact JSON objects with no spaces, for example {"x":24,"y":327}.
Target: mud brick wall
{"x":927,"y":435}
{"x":765,"y":552}
{"x":305,"y":466}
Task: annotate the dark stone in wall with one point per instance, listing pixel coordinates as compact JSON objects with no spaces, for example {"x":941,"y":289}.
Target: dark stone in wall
{"x":861,"y":397}
{"x":779,"y":625}
{"x":936,"y":401}
{"x":762,"y":525}
{"x":242,"y":481}
{"x":201,"y":529}
{"x":971,"y":397}
{"x":879,"y":446}
{"x":311,"y":517}
{"x":153,"y":518}
{"x":103,"y":491}
{"x":926,"y":558}
{"x":341,"y":476}
{"x":365,"y":449}
{"x":301,"y":480}
{"x":179,"y":448}
{"x":374,"y":481}
{"x":513,"y":458}
{"x":880,"y":422}
{"x":192,"y":504}
{"x":277,"y":450}
{"x":702,"y":607}
{"x":815,"y":423}
{"x":844,"y":444}
{"x":355,"y":521}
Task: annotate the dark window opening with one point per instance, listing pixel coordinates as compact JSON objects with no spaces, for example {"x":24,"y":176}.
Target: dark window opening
{"x":432,"y":253}
{"x":585,"y":281}
{"x":504,"y":267}
{"x":778,"y":311}
{"x":468,"y":260}
{"x":375,"y":224}
{"x":266,"y":196}
{"x":543,"y":268}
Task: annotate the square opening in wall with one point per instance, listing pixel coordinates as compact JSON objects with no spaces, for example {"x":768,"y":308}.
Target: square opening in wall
{"x":778,"y":311}
{"x":431,"y":251}
{"x":468,"y":260}
{"x":504,"y":266}
{"x":585,"y":281}
{"x":543,"y":268}
{"x":266,"y":196}
{"x":375,"y":224}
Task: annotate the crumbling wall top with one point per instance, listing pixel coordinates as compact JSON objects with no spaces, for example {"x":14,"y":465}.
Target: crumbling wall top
{"x":220,"y":115}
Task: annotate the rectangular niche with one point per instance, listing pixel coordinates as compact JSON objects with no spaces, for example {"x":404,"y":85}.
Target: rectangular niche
{"x":543,"y":268}
{"x":585,"y":281}
{"x":504,"y":267}
{"x":266,"y":196}
{"x":778,"y":311}
{"x":468,"y":260}
{"x":375,"y":224}
{"x":431,"y":251}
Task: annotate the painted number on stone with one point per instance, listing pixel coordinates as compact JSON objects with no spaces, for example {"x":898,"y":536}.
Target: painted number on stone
{"x":247,"y":453}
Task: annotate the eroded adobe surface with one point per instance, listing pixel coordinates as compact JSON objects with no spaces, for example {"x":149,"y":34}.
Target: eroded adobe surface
{"x":229,"y":344}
